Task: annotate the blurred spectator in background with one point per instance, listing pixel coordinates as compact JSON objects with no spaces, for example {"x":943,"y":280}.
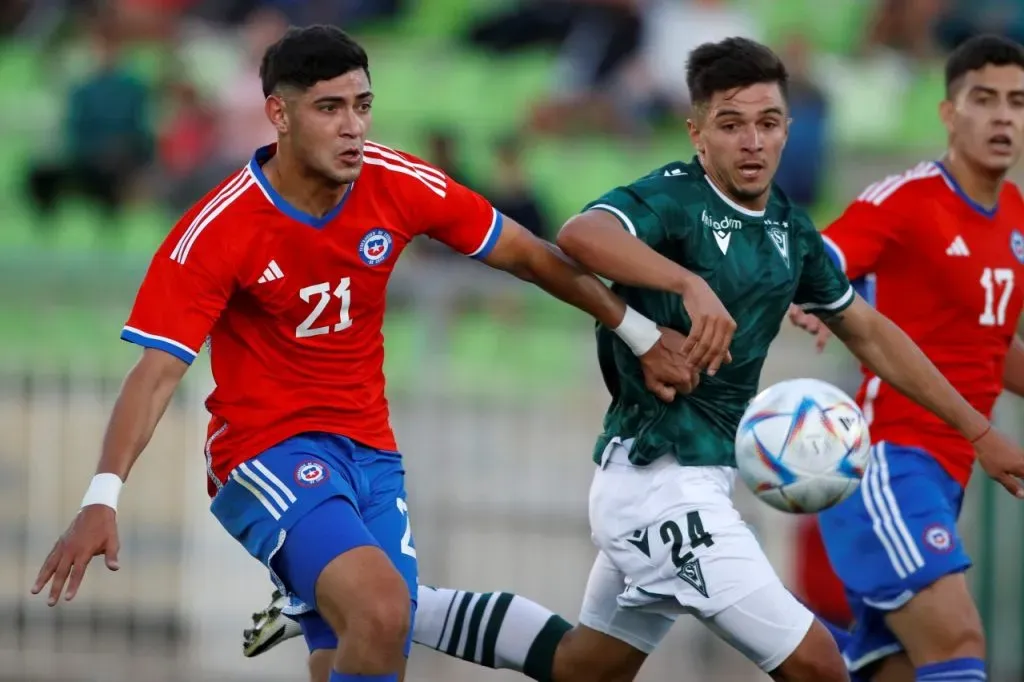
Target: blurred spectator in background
{"x":349,"y":14}
{"x":512,"y":192}
{"x":802,"y":170}
{"x":11,"y":14}
{"x":594,"y":38}
{"x":183,"y":146}
{"x":107,"y":134}
{"x":966,"y":18}
{"x":443,"y":152}
{"x":648,"y":82}
{"x":243,"y":123}
{"x":906,"y":26}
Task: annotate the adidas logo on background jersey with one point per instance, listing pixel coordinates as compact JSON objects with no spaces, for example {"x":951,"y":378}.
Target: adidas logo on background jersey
{"x":272,"y":272}
{"x":958,"y":248}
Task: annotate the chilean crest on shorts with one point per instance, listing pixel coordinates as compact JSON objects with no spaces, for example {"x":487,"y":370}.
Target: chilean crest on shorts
{"x":310,"y":473}
{"x":1017,"y":245}
{"x":691,"y":573}
{"x":938,"y":538}
{"x":375,"y":246}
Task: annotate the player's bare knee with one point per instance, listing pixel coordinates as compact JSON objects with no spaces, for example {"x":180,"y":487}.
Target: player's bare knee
{"x":816,"y":659}
{"x":384,"y":620}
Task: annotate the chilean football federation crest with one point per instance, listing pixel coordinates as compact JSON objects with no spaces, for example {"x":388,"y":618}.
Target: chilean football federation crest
{"x":310,"y":473}
{"x":375,"y":246}
{"x":1017,"y":245}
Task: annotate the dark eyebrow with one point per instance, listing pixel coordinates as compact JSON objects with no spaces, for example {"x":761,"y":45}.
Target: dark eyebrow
{"x":983,"y":90}
{"x":734,"y":112}
{"x":334,"y":99}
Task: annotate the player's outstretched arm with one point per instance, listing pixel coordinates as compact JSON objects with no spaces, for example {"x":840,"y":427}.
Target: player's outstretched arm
{"x":1013,"y":371}
{"x":596,"y":240}
{"x":888,"y":352}
{"x":144,"y":397}
{"x":661,"y":351}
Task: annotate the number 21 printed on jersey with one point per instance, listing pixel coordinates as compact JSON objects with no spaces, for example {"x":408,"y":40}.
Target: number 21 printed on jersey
{"x":323,"y":292}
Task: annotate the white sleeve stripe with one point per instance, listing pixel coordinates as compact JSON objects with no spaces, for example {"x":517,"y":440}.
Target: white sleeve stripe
{"x":227,"y":189}
{"x":417,"y":168}
{"x":390,"y":153}
{"x":490,"y":231}
{"x":405,"y":171}
{"x":228,"y":200}
{"x":838,"y":303}
{"x":838,"y":251}
{"x":626,"y":222}
{"x":154,"y":337}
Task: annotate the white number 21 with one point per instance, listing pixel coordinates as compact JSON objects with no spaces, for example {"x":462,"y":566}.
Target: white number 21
{"x":407,"y":547}
{"x":323,"y":290}
{"x":996,"y":281}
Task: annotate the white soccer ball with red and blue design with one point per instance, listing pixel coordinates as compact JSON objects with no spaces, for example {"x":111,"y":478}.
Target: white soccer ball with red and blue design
{"x":802,"y":446}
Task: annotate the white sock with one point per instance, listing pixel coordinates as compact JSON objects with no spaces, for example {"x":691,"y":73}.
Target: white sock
{"x":492,"y":629}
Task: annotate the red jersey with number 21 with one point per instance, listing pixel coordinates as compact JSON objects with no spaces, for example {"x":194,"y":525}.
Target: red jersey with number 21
{"x":949,"y":273}
{"x":293,"y":305}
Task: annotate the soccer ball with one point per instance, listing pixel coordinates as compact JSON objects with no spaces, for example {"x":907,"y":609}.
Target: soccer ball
{"x":802,"y":446}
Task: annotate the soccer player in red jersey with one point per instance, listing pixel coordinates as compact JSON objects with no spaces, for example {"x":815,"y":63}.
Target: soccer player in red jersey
{"x":941,"y":251}
{"x":282,"y":270}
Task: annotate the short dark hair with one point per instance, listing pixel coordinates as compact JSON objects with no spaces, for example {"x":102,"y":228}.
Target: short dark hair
{"x":977,"y":53}
{"x":732,"y":63}
{"x":305,"y":56}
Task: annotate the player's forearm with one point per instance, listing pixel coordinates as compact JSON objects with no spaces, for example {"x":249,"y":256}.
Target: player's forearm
{"x":888,"y":352}
{"x":558,"y":275}
{"x":144,"y":397}
{"x":598,"y":242}
{"x":1013,"y":371}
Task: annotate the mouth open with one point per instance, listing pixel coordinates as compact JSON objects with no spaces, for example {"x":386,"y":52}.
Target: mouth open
{"x":351,"y":155}
{"x":1001,"y":143}
{"x":751,"y":170}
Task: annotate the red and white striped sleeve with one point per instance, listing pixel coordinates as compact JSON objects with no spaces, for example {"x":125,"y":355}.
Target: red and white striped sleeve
{"x":191,"y":277}
{"x":445,"y":210}
{"x":857,"y":238}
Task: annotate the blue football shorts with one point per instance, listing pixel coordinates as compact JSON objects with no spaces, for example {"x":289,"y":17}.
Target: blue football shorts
{"x":889,"y":540}
{"x":309,"y":499}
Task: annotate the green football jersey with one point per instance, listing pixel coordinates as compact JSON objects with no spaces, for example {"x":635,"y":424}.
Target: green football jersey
{"x":756,"y":262}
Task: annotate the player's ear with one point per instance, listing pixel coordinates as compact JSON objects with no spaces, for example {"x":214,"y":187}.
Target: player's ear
{"x":694,"y":130}
{"x":947,"y":109}
{"x":276,"y":114}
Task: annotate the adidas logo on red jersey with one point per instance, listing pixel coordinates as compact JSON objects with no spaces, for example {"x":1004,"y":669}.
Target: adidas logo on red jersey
{"x":271,"y":273}
{"x":958,"y":248}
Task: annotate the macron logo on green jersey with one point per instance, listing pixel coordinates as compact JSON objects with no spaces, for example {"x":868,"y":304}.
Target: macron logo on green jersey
{"x":722,"y":229}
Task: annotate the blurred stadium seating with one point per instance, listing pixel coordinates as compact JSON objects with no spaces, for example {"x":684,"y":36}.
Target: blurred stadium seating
{"x":496,"y":398}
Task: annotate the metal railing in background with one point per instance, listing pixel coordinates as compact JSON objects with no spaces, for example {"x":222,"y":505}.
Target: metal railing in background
{"x":498,"y":490}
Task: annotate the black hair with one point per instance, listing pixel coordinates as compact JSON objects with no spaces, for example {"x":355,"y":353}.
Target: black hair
{"x":732,"y":63}
{"x":305,"y":56}
{"x":977,"y":53}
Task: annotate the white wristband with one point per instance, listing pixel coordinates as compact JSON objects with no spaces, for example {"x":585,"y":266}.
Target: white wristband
{"x":639,"y":333}
{"x":104,"y":489}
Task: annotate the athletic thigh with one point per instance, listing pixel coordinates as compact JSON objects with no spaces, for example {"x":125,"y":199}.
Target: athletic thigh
{"x":640,"y":630}
{"x":891,"y":540}
{"x":766,"y":626}
{"x":386,"y":514}
{"x":674,"y":535}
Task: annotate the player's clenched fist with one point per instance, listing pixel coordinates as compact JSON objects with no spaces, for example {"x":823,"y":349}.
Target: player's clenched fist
{"x":711,"y":328}
{"x":1001,"y":460}
{"x":667,"y":370}
{"x":93,"y":532}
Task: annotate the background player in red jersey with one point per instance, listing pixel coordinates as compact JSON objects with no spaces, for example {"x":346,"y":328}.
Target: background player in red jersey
{"x":284,"y":268}
{"x":942,"y":253}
